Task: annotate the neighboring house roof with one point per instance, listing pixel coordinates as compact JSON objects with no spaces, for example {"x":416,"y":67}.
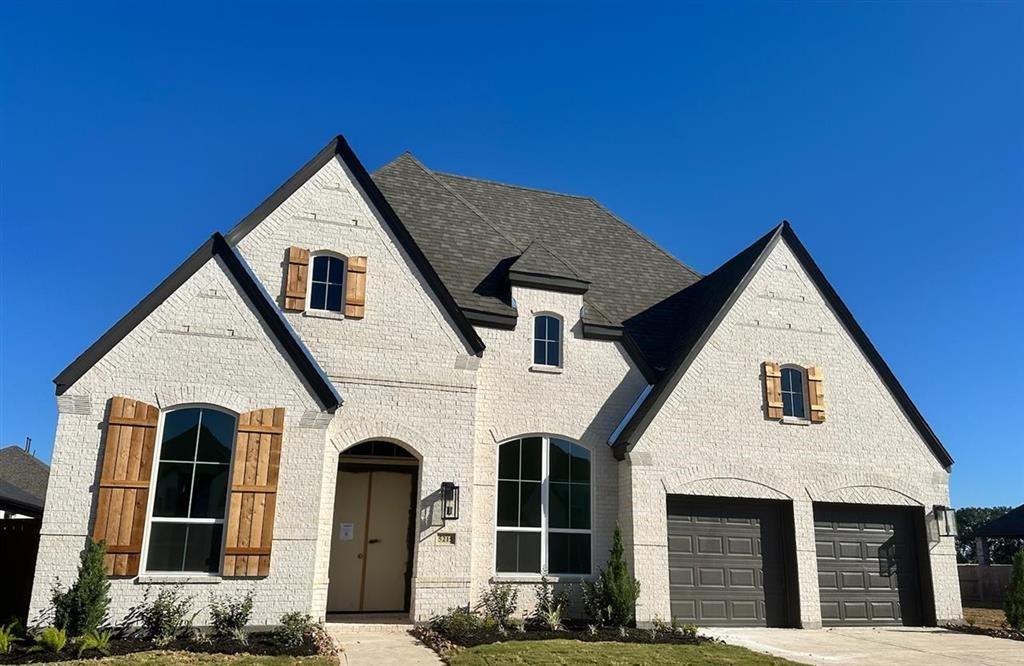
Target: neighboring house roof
{"x":23,"y":481}
{"x":475,"y":231}
{"x":338,"y":147}
{"x":266,"y":309}
{"x":1010,"y":524}
{"x":702,"y":308}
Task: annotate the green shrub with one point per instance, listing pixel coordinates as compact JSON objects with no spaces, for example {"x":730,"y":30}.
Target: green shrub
{"x":1015,"y":593}
{"x":611,"y":599}
{"x":458,"y":624}
{"x":230,"y":616}
{"x":82,"y":608}
{"x":499,"y":603}
{"x":94,"y":640}
{"x":8,"y":637}
{"x":167,"y":617}
{"x":51,"y":639}
{"x":550,"y":603}
{"x":293,"y":632}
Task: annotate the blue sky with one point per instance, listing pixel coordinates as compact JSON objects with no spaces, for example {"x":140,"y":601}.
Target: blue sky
{"x":890,"y":135}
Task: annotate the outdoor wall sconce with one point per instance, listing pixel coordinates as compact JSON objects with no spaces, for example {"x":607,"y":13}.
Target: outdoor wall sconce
{"x":945,"y":519}
{"x":450,"y":500}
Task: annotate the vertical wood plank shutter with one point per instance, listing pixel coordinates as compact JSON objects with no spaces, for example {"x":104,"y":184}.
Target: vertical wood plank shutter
{"x":816,"y":393}
{"x":125,"y":475}
{"x":252,"y":504}
{"x":296,"y":278}
{"x":773,"y":390}
{"x":355,"y":288}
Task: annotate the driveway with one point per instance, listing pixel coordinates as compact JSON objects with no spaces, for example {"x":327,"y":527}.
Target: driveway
{"x":881,"y":646}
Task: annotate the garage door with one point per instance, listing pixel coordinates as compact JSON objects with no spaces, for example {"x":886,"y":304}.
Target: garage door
{"x":725,"y":561}
{"x":867,"y":565}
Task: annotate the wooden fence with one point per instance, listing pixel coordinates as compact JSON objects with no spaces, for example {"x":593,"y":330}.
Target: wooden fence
{"x":983,"y":583}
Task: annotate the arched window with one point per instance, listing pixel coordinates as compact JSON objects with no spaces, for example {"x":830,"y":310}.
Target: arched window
{"x":543,"y":507}
{"x":547,"y":340}
{"x":186,"y":527}
{"x":794,"y":400}
{"x":327,"y":283}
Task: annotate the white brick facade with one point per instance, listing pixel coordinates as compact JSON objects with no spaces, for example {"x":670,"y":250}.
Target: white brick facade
{"x":406,"y":376}
{"x":711,"y":437}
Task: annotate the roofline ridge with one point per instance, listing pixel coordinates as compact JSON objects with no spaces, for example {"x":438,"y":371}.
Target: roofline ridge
{"x":558,"y":257}
{"x":527,"y":188}
{"x":447,"y":188}
{"x":29,"y":454}
{"x":644,"y":236}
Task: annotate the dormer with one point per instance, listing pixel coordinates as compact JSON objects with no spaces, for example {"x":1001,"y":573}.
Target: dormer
{"x":539,"y":268}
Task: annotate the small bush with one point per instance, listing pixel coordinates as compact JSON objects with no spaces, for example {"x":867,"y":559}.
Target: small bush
{"x":687,"y":631}
{"x":499,"y":603}
{"x":94,"y":640}
{"x":51,"y":639}
{"x":293,"y":631}
{"x":167,"y":617}
{"x":82,"y":608}
{"x":611,"y":599}
{"x":230,"y":616}
{"x":8,"y":637}
{"x":549,"y":604}
{"x":1015,"y":593}
{"x":458,"y":624}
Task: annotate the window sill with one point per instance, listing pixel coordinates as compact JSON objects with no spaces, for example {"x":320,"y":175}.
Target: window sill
{"x":549,"y":369}
{"x":535,"y":579}
{"x":323,"y":314}
{"x":178,"y":579}
{"x":792,"y":420}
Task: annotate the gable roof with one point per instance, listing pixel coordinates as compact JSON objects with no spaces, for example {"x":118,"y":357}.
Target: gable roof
{"x":339,"y":148}
{"x":707,"y":303}
{"x":539,"y":267}
{"x":266,"y":310}
{"x":473,"y":231}
{"x":1010,"y":524}
{"x":23,"y":481}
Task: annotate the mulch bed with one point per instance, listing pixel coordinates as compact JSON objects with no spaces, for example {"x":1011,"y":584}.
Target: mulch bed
{"x":1011,"y":634}
{"x":259,"y":644}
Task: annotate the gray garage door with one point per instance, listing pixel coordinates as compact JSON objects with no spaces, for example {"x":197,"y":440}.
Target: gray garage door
{"x":867,"y":565}
{"x":725,"y":561}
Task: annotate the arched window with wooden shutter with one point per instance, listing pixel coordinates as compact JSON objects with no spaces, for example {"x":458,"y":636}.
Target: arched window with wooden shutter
{"x":296,"y":278}
{"x":772,"y":390}
{"x":252,"y":504}
{"x":816,"y":393}
{"x":127,"y":468}
{"x":355,"y":288}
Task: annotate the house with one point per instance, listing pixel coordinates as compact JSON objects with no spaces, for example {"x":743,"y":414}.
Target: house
{"x":388,"y":392}
{"x":23,"y":479}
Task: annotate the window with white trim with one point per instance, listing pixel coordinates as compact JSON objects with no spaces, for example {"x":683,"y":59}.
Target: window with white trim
{"x":186,"y":525}
{"x":547,"y":340}
{"x":327,"y":283}
{"x":794,"y":400}
{"x":543,"y":507}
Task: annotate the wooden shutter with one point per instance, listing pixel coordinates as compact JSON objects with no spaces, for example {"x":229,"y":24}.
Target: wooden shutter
{"x":773,"y":389}
{"x":125,"y":475}
{"x":355,"y":288}
{"x":296,"y":278}
{"x":816,"y":394}
{"x":253,"y":499}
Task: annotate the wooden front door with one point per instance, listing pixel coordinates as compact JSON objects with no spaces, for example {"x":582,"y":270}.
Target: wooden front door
{"x":371,"y":557}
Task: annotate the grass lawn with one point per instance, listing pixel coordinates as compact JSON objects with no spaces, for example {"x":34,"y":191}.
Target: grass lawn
{"x":578,"y":652}
{"x":989,"y":618}
{"x":165,"y":657}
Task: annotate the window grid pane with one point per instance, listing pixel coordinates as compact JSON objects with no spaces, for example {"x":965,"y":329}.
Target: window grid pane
{"x":792,"y":393}
{"x":547,"y":340}
{"x":326,"y":292}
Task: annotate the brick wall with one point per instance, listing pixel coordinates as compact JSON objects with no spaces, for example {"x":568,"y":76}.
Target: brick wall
{"x":711,"y":437}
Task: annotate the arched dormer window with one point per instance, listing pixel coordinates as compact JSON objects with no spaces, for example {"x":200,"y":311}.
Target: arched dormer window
{"x":189,"y":503}
{"x":794,"y":394}
{"x":544,"y":506}
{"x":327,"y":282}
{"x":547,"y":340}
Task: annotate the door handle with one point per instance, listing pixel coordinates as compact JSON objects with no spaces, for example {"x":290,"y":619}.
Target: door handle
{"x":374,"y":541}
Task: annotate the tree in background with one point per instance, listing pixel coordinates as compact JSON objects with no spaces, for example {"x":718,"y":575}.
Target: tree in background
{"x":970,"y":519}
{"x":1015,"y":593}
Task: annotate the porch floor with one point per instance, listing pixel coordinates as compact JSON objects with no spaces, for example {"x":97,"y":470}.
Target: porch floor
{"x":362,"y":622}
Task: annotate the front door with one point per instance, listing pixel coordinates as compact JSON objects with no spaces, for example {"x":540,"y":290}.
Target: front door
{"x":370,"y":547}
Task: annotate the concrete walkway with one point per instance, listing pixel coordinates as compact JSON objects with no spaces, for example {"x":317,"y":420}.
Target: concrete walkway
{"x":379,"y":645}
{"x":876,"y":646}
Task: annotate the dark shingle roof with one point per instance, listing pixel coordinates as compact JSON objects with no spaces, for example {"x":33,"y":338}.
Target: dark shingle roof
{"x":23,"y":479}
{"x":473,"y":230}
{"x":1010,"y":524}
